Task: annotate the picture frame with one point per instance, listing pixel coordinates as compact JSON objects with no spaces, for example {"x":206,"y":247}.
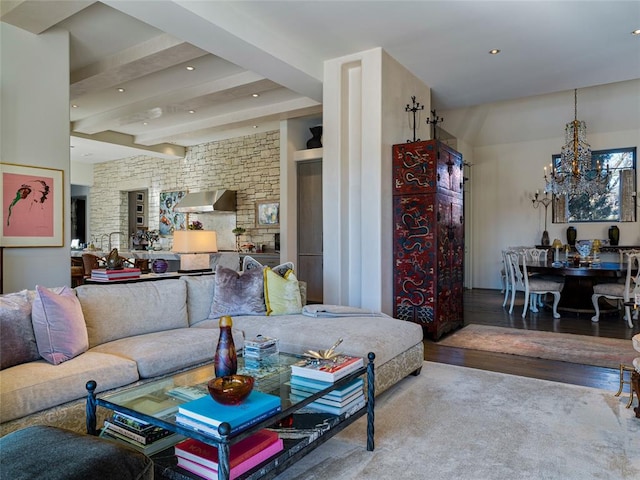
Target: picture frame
{"x":169,"y":219}
{"x":139,"y":220}
{"x":268,"y":213}
{"x":32,"y":205}
{"x":140,"y":197}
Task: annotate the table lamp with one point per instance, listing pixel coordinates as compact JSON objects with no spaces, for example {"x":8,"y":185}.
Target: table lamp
{"x":194,"y":247}
{"x":557,"y":244}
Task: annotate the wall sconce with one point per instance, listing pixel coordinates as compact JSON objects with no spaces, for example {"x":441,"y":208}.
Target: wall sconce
{"x":194,"y":247}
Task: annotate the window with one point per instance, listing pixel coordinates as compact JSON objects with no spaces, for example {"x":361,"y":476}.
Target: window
{"x":617,"y":204}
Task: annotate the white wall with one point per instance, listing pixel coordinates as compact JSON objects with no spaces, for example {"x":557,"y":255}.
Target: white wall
{"x":364,"y":99}
{"x":35,"y":132}
{"x":511,"y":143}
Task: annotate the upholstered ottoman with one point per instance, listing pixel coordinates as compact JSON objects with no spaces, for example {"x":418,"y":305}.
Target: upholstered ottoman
{"x":43,"y":452}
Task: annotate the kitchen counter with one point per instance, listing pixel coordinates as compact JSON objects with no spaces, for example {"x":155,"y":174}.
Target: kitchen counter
{"x":226,"y":259}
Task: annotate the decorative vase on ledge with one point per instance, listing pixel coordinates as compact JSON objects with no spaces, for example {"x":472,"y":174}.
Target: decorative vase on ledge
{"x":316,"y":140}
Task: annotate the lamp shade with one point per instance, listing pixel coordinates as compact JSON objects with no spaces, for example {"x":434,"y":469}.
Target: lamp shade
{"x":557,"y":243}
{"x":195,"y":241}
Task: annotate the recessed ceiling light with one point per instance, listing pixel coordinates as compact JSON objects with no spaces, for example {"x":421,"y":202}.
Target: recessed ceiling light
{"x":495,"y":51}
{"x":74,"y":105}
{"x":191,"y":68}
{"x":145,"y":123}
{"x":636,"y":32}
{"x":87,"y":154}
{"x":255,"y":126}
{"x":192,"y":111}
{"x":255,"y":95}
{"x":121,"y":90}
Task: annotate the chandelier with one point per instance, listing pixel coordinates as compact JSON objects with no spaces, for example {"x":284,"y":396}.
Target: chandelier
{"x":575,"y":174}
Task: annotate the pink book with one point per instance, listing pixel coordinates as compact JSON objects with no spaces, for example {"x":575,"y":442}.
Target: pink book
{"x":207,"y":455}
{"x":238,"y":469}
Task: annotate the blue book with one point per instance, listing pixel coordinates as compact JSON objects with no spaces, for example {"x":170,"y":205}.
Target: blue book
{"x":310,"y":385}
{"x":210,"y":412}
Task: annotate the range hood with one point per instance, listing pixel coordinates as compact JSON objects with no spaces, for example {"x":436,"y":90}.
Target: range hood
{"x":210,"y":201}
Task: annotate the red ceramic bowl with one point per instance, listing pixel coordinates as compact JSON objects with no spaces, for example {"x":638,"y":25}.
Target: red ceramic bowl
{"x":230,"y":390}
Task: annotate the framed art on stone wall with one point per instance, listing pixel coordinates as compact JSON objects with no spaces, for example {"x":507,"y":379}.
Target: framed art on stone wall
{"x":169,"y":219}
{"x":32,"y":206}
{"x":268,"y":213}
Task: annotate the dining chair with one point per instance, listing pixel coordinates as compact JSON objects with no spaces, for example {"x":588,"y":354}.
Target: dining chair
{"x":506,"y":276}
{"x":620,"y":292}
{"x":90,"y":261}
{"x":521,"y":281}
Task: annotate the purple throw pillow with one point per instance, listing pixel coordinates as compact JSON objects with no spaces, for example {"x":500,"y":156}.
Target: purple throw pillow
{"x":58,"y":324}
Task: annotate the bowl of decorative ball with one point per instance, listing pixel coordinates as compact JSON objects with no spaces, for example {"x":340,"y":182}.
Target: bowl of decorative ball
{"x":230,"y":390}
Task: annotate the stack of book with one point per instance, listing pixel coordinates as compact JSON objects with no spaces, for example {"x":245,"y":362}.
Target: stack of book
{"x":327,"y":370}
{"x":143,"y":436}
{"x":205,"y":414}
{"x":260,"y":351}
{"x":202,"y":459}
{"x":347,"y":399}
{"x":310,"y":376}
{"x":107,"y":275}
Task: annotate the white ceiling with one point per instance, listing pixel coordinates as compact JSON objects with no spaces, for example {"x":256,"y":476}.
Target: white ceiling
{"x":277,"y":49}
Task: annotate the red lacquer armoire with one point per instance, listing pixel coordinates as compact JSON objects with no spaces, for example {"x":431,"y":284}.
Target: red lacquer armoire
{"x":428,"y":235}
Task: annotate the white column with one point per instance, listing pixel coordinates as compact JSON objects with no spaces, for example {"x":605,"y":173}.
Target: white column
{"x":364,"y":99}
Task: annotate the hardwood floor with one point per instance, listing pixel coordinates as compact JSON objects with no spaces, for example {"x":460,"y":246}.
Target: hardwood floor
{"x":485,"y":307}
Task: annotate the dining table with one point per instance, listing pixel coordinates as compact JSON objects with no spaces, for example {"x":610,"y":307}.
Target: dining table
{"x":579,"y":281}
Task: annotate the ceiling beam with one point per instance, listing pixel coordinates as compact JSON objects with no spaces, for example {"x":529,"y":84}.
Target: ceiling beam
{"x":36,"y":16}
{"x":152,"y":56}
{"x":183,"y":23}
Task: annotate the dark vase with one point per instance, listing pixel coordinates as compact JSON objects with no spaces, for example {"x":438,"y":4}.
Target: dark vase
{"x":545,"y":238}
{"x":614,"y":235}
{"x":572,"y":234}
{"x":159,"y":265}
{"x":225,"y":361}
{"x":316,"y":140}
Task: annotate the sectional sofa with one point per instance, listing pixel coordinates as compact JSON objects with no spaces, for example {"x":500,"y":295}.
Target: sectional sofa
{"x":137,"y":332}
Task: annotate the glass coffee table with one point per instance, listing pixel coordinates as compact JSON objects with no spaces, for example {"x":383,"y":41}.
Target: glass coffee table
{"x":301,"y":427}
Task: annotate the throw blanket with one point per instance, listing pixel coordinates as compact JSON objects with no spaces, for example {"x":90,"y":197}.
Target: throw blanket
{"x":319,"y":310}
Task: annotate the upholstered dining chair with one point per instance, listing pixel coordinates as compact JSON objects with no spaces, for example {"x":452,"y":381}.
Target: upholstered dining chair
{"x":521,"y":281}
{"x":620,"y":292}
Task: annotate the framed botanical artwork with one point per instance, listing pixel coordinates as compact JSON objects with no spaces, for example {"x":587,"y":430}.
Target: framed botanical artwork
{"x":169,"y":219}
{"x":32,"y":206}
{"x":268,"y":213}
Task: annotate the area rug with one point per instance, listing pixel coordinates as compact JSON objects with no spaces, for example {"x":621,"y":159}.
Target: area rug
{"x":583,"y":349}
{"x":456,"y":422}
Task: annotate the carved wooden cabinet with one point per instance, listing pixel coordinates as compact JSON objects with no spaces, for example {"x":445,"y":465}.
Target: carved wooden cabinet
{"x":428,"y":235}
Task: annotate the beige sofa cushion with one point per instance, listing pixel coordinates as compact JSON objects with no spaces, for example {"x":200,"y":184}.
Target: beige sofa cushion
{"x":118,"y":311}
{"x":160,"y":353}
{"x":199,"y":297}
{"x":34,"y":386}
{"x":384,"y":336}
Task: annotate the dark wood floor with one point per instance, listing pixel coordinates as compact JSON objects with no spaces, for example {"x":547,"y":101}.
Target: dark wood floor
{"x":485,"y":307}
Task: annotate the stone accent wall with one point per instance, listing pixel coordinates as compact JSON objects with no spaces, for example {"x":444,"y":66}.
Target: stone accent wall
{"x":250,"y":165}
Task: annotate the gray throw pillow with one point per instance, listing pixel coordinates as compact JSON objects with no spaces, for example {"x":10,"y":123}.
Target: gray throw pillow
{"x":17,"y":340}
{"x":238,"y":293}
{"x":250,"y":263}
